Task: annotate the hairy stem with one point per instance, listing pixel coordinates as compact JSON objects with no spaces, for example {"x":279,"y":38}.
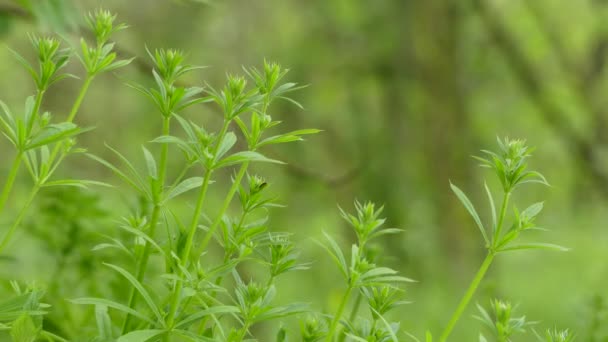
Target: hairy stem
{"x":464,"y":302}
{"x":142,"y":263}
{"x":334,"y":323}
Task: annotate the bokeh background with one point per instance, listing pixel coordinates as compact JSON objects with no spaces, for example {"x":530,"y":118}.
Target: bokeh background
{"x":405,"y":91}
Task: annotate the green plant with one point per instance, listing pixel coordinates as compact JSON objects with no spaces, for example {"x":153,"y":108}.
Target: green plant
{"x":510,"y":167}
{"x":209,"y":273}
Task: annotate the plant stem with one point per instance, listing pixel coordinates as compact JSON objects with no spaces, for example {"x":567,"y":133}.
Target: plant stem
{"x":10,"y":180}
{"x":193,"y":227}
{"x":334,"y":323}
{"x":467,"y":296}
{"x":81,"y":95}
{"x":73,"y":112}
{"x":7,"y":237}
{"x":142,"y":263}
{"x":12,"y":175}
{"x":226,"y":204}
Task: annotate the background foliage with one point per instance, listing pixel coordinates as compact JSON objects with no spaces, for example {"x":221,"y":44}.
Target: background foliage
{"x":405,"y":91}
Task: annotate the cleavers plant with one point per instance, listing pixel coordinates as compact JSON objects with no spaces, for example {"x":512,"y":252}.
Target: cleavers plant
{"x":209,"y":273}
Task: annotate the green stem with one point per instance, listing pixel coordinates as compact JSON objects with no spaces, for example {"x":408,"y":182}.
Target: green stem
{"x":10,"y":180}
{"x":226,"y":204}
{"x":334,"y":323}
{"x":467,"y":296}
{"x":7,"y":237}
{"x":501,"y":218}
{"x":81,"y":95}
{"x":142,"y":263}
{"x":36,"y":109}
{"x":12,"y":175}
{"x":73,"y":112}
{"x":175,"y":298}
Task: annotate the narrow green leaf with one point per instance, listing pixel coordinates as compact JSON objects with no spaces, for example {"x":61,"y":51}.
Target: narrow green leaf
{"x":246,"y":156}
{"x":142,"y":291}
{"x":104,"y":323}
{"x":548,"y":246}
{"x":150,"y":163}
{"x":184,"y":186}
{"x":336,"y":253}
{"x":119,"y":173}
{"x":471,"y":209}
{"x":492,"y":206}
{"x":113,"y":305}
{"x":52,"y":134}
{"x":226,"y":144}
{"x":81,"y":183}
{"x":215,"y":310}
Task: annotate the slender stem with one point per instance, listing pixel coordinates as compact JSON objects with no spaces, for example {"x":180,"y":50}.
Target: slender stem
{"x":36,"y":109}
{"x":243,"y":331}
{"x":501,"y":218}
{"x":193,"y":227}
{"x":464,"y":302}
{"x":81,"y":95}
{"x":10,"y":180}
{"x":142,"y":263}
{"x":334,"y":323}
{"x":12,"y":175}
{"x":226,"y":204}
{"x":73,"y":112}
{"x":7,"y":237}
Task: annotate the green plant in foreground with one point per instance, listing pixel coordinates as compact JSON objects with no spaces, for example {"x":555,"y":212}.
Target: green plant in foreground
{"x":365,"y":279}
{"x":510,"y":165}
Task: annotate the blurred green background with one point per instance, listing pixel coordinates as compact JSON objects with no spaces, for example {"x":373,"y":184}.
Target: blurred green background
{"x":405,"y":92}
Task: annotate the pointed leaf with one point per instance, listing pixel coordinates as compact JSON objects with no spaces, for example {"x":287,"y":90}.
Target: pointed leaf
{"x":246,"y":156}
{"x":184,"y":186}
{"x":111,"y":304}
{"x":140,"y":288}
{"x":471,"y":209}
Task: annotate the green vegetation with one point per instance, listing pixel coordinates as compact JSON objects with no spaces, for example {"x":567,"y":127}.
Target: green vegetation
{"x":196,"y":212}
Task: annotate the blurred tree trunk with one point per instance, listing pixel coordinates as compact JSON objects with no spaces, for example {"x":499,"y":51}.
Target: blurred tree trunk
{"x":445,"y":137}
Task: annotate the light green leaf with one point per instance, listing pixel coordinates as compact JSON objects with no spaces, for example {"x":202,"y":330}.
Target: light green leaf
{"x":538,"y":245}
{"x":150,"y":163}
{"x":492,"y":206}
{"x":471,"y":209}
{"x":184,"y":186}
{"x":215,"y":310}
{"x":246,"y":156}
{"x":104,"y":323}
{"x":111,"y":304}
{"x":227,"y":143}
{"x":52,"y":134}
{"x":81,"y":183}
{"x":142,"y":291}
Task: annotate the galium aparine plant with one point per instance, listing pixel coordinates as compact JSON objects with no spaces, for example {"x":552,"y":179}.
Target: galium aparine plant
{"x":178,"y":287}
